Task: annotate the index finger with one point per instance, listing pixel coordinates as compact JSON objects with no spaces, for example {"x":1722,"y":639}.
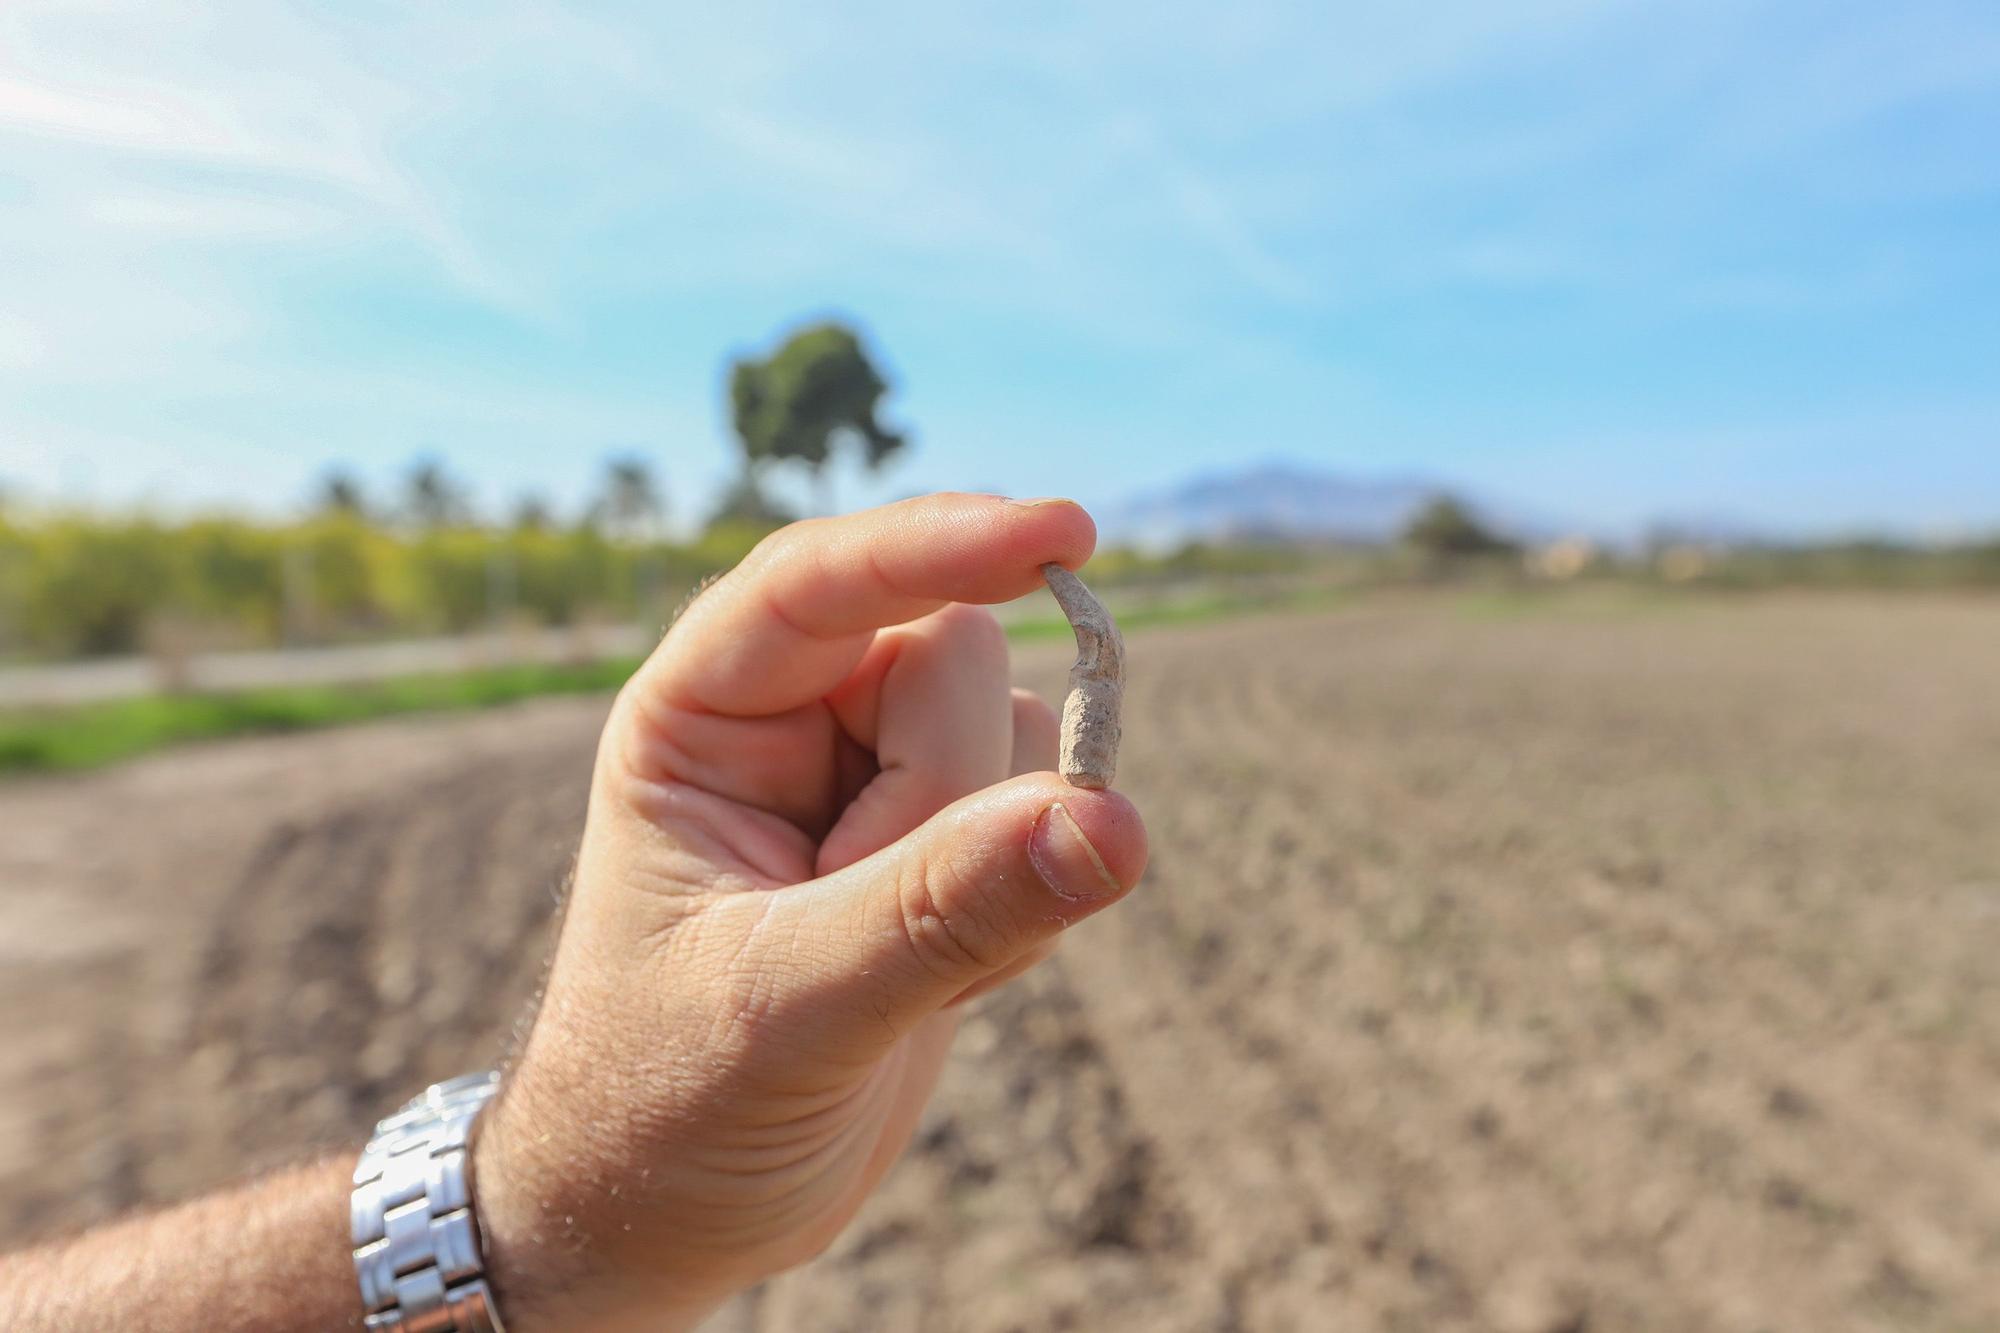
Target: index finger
{"x":789,"y":623}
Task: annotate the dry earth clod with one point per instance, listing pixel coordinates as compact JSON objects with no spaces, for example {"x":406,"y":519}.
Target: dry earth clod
{"x":1090,"y":727}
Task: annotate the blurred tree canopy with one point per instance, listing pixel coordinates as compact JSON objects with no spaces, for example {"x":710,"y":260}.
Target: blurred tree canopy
{"x":818,"y":390}
{"x":1446,"y":527}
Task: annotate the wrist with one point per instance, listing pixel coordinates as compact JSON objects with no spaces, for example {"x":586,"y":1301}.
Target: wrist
{"x":529,"y":1264}
{"x":558,"y":1233}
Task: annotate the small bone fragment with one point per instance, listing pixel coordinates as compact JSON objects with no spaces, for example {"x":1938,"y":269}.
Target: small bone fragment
{"x":1096,"y":684}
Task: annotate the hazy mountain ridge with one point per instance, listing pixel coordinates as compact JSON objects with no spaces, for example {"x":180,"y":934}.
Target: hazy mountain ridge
{"x":1279,"y":501}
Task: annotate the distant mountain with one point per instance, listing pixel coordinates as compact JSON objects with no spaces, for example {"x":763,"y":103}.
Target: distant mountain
{"x":1704,"y":529}
{"x":1274,"y":502}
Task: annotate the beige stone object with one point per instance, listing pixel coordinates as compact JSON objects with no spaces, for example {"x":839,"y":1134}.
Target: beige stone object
{"x":1090,"y":727}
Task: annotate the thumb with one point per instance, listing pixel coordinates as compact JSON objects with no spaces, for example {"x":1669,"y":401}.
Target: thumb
{"x":857,"y":958}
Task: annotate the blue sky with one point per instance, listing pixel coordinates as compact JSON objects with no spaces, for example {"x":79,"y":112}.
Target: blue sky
{"x":1608,"y":260}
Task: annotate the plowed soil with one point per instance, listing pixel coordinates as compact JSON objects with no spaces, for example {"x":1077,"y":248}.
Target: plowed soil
{"x":1599,"y":967}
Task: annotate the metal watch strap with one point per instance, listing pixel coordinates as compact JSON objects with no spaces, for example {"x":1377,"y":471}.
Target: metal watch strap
{"x":416,"y":1245}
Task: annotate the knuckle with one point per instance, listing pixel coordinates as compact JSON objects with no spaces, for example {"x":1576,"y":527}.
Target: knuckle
{"x":955,"y":636}
{"x":785,"y":543}
{"x":969,"y":626}
{"x":1035,"y":715}
{"x":942,"y":911}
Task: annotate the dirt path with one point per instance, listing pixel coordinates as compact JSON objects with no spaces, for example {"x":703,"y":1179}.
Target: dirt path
{"x":1591,"y":969}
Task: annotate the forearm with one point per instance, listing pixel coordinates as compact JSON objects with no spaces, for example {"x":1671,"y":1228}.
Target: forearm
{"x":271,"y":1255}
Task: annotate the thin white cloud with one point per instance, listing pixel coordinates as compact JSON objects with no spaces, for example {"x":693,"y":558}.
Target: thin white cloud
{"x":1206,"y":208}
{"x":179,"y":86}
{"x":176,"y":215}
{"x":119,"y":121}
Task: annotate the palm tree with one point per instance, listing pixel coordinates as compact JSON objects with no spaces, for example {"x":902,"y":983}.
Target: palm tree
{"x":631,"y":505}
{"x":745,"y":502}
{"x":434,"y":496}
{"x":340,"y":493}
{"x":532,"y":514}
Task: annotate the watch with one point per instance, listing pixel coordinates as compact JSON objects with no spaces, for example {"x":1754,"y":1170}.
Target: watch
{"x":416,"y":1241}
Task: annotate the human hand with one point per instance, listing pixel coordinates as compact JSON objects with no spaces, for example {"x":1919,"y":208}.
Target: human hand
{"x":819,"y":819}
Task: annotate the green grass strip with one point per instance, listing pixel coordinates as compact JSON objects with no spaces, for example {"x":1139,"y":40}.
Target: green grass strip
{"x":89,"y":735}
{"x":81,"y":736}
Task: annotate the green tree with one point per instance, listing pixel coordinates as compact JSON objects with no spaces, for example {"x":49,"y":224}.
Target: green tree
{"x":805,"y":401}
{"x":96,"y":583}
{"x":1444,"y":527}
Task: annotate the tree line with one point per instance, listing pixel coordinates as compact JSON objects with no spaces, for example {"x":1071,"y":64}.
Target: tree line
{"x":83,"y":584}
{"x":419,"y":558}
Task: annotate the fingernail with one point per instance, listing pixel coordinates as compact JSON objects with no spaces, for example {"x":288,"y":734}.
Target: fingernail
{"x":1065,"y":860}
{"x":1042,"y":501}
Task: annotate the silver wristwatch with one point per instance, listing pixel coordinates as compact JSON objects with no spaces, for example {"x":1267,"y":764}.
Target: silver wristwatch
{"x":416,"y":1245}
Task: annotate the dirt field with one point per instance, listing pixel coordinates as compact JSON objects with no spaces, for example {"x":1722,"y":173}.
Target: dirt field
{"x":1595,"y":968}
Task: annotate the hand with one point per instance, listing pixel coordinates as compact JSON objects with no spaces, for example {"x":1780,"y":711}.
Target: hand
{"x":818,"y":820}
